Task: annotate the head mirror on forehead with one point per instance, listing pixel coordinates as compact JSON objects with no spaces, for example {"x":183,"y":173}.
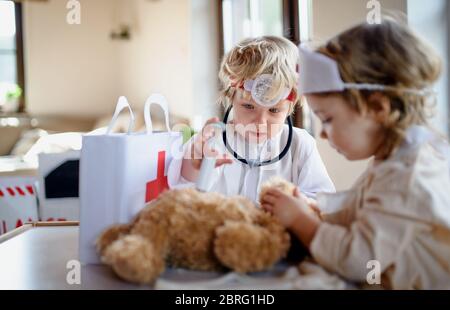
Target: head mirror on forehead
{"x":261,"y":87}
{"x":319,"y":74}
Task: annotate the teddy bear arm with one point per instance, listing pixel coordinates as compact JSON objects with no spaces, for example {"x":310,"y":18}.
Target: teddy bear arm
{"x":135,"y":259}
{"x":110,"y":235}
{"x":246,"y":247}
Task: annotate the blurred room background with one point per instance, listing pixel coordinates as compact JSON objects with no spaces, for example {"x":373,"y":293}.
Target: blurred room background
{"x":62,"y":77}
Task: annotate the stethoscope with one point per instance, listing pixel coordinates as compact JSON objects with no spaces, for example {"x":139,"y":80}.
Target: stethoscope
{"x":256,"y":163}
{"x":208,"y":163}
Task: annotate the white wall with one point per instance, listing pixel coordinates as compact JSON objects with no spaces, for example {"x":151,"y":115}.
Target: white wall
{"x":158,"y":57}
{"x":69,"y":68}
{"x":431,"y":23}
{"x":330,"y":17}
{"x":78,"y":70}
{"x":205,"y":60}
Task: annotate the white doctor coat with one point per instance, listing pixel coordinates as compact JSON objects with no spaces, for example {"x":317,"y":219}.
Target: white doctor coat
{"x":302,"y":165}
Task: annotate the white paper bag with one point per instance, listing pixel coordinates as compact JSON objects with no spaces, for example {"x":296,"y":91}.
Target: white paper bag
{"x":18,"y":203}
{"x":58,"y":186}
{"x":119,"y":173}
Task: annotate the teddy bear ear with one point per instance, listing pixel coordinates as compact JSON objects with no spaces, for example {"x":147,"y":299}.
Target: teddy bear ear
{"x":110,"y":235}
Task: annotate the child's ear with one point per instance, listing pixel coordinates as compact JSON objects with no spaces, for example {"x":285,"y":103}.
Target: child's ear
{"x":379,"y":106}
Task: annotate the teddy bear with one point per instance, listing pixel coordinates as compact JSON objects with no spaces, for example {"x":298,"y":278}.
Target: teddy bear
{"x":195,"y":230}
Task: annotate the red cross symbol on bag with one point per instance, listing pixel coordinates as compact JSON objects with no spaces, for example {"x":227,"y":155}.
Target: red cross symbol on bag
{"x":157,"y":186}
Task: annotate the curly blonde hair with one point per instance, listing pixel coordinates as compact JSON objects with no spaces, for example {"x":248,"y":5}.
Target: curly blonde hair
{"x":390,"y":54}
{"x":252,"y":57}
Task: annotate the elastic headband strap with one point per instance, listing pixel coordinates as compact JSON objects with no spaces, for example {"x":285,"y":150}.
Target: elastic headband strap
{"x":290,"y":97}
{"x":366,"y":86}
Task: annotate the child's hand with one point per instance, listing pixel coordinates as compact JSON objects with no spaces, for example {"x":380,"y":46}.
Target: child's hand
{"x":286,"y":208}
{"x":200,"y":147}
{"x":313,"y":208}
{"x":293,"y":212}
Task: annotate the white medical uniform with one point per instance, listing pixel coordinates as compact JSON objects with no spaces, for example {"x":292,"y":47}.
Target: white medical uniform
{"x":302,"y":165}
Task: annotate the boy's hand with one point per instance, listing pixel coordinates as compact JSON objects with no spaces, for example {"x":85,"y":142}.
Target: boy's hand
{"x":286,"y":208}
{"x":201,"y":149}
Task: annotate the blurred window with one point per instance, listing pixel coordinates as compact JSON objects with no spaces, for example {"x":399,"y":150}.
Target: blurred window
{"x":11,"y":48}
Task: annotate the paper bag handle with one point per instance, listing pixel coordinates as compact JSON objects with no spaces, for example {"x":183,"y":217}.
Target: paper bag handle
{"x":122,"y":103}
{"x":162,"y":102}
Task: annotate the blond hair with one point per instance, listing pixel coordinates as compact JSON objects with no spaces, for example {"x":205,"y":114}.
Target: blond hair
{"x":252,"y":57}
{"x":389,"y":54}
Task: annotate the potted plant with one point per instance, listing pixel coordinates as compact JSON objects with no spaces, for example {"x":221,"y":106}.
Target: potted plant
{"x":9,"y":97}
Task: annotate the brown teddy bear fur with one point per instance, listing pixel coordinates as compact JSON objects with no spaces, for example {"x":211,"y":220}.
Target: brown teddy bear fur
{"x":287,"y":187}
{"x":279,"y":183}
{"x":201,"y":231}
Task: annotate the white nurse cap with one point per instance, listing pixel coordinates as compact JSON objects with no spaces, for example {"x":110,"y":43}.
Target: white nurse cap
{"x":319,"y":74}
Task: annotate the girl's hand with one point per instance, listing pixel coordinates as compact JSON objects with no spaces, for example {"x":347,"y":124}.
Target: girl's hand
{"x":286,"y":208}
{"x":293,"y":212}
{"x":312,"y":204}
